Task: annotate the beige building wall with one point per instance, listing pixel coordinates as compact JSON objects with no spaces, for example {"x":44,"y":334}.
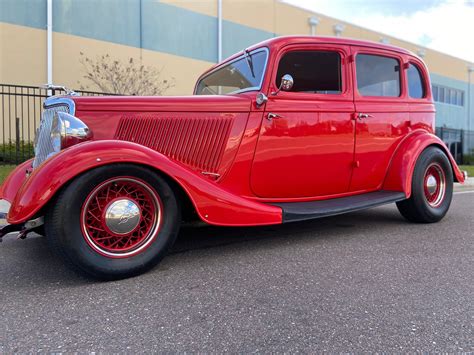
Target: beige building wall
{"x":23,"y":59}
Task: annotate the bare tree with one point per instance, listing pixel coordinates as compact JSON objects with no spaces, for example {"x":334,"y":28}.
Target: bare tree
{"x":122,"y":77}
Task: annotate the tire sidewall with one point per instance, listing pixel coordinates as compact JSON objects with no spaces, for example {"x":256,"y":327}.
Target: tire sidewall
{"x":429,"y":156}
{"x":65,"y":226}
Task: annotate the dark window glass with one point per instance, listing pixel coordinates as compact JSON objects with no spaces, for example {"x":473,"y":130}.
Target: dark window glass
{"x":452,"y":97}
{"x":435,"y":93}
{"x":377,"y":75}
{"x":316,"y":72}
{"x":416,"y":86}
{"x":441,"y":95}
{"x":459,"y":98}
{"x":448,"y":95}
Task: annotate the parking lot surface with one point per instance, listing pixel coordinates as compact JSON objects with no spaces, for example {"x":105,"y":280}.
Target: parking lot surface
{"x":363,"y":281}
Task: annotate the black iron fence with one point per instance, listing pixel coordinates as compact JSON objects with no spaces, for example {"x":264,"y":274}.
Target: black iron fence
{"x":460,"y":143}
{"x":20,"y":110}
{"x":21,"y":107}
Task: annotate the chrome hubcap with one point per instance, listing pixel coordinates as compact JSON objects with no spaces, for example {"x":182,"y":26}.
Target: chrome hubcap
{"x":431,"y":184}
{"x":122,"y":216}
{"x":434,"y":185}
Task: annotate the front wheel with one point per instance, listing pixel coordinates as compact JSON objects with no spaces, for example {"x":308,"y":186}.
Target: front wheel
{"x":432,"y":188}
{"x":114,"y":221}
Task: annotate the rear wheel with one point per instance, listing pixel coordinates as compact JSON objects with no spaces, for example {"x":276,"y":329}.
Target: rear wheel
{"x":432,"y":188}
{"x":114,"y":221}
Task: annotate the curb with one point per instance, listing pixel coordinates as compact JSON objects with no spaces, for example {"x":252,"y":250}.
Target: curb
{"x":469,"y":182}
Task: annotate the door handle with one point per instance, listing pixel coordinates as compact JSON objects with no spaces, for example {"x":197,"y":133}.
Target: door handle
{"x":271,"y":116}
{"x":361,"y":115}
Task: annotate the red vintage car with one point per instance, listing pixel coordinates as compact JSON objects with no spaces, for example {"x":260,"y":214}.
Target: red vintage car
{"x":290,"y":129}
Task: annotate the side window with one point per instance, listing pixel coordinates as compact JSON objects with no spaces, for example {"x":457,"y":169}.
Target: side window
{"x":317,"y":72}
{"x":416,"y":86}
{"x":377,"y":75}
{"x":435,"y":93}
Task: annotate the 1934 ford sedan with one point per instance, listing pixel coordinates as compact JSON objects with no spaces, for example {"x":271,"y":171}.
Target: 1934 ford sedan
{"x":290,"y":129}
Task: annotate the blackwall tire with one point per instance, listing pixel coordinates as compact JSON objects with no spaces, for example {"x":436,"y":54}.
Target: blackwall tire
{"x":432,"y":188}
{"x":114,"y":222}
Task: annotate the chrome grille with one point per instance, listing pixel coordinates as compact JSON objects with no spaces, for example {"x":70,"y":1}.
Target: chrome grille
{"x":43,"y":144}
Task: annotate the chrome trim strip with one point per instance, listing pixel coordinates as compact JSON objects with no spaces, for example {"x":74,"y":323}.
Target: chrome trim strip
{"x":60,"y":100}
{"x":255,"y":88}
{"x":216,"y":175}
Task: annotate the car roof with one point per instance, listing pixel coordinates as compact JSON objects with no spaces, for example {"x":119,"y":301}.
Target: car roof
{"x":278,"y":42}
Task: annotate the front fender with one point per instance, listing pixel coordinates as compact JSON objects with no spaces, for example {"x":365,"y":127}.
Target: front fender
{"x":12,"y":183}
{"x":400,"y":172}
{"x":213,"y":204}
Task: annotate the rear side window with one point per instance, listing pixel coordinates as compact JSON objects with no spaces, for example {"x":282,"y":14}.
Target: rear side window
{"x":316,"y":72}
{"x":416,"y":86}
{"x":377,"y":75}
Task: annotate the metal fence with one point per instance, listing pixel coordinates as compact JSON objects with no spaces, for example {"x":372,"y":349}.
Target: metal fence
{"x":459,"y":142}
{"x":20,"y":110}
{"x":21,"y":107}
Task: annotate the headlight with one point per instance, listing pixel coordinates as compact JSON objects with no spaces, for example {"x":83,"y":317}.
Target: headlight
{"x":67,"y":130}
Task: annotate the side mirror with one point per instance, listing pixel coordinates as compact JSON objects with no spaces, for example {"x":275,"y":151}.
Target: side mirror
{"x":286,"y":84}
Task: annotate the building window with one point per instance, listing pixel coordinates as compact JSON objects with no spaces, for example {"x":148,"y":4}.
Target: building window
{"x":448,"y":95}
{"x":416,"y":86}
{"x":377,"y":75}
{"x":316,"y":72}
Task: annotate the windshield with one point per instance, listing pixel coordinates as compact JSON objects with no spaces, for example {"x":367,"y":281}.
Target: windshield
{"x":242,"y":74}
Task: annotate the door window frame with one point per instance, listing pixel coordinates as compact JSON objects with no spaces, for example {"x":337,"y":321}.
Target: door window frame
{"x":425,"y":81}
{"x":346,"y":77}
{"x":381,"y":53}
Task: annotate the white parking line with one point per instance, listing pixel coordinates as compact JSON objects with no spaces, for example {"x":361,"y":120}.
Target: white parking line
{"x":463,"y":192}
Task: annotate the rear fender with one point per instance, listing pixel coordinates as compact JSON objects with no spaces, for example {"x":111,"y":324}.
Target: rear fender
{"x":213,"y":204}
{"x":400,"y":172}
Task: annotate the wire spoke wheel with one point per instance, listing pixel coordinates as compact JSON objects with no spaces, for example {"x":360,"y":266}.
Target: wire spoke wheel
{"x":434,"y":185}
{"x":121,"y":217}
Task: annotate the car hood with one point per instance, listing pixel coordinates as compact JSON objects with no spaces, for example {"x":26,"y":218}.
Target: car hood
{"x":201,"y":103}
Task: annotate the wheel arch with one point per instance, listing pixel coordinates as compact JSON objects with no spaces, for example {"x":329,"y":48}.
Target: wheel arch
{"x":212,"y":203}
{"x":186,"y":203}
{"x":400,"y":171}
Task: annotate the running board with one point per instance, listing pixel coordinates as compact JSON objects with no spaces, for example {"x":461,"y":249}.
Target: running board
{"x":300,"y":211}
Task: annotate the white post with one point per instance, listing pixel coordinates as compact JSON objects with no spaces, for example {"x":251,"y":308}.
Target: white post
{"x":219,"y":30}
{"x":49,"y":29}
{"x":470,"y":69}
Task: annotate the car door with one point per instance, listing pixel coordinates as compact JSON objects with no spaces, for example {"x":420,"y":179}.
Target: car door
{"x":306,"y":142}
{"x":382,"y":117}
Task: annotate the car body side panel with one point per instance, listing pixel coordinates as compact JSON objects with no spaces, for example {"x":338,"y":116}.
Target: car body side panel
{"x":400,"y":172}
{"x":307,"y":150}
{"x":379,"y":134}
{"x":203,"y":141}
{"x":214,"y":204}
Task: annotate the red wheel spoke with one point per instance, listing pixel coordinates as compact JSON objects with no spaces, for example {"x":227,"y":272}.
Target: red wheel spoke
{"x":94,"y":216}
{"x":108,"y":237}
{"x":95,"y":228}
{"x":98,"y":205}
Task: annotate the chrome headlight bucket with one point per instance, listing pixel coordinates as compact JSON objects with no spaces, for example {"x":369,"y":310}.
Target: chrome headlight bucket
{"x":67,"y":130}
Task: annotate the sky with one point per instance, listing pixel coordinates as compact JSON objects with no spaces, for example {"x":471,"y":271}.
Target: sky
{"x":444,"y":25}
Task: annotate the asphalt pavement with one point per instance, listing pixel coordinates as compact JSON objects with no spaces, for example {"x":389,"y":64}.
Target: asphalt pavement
{"x":366,"y":281}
